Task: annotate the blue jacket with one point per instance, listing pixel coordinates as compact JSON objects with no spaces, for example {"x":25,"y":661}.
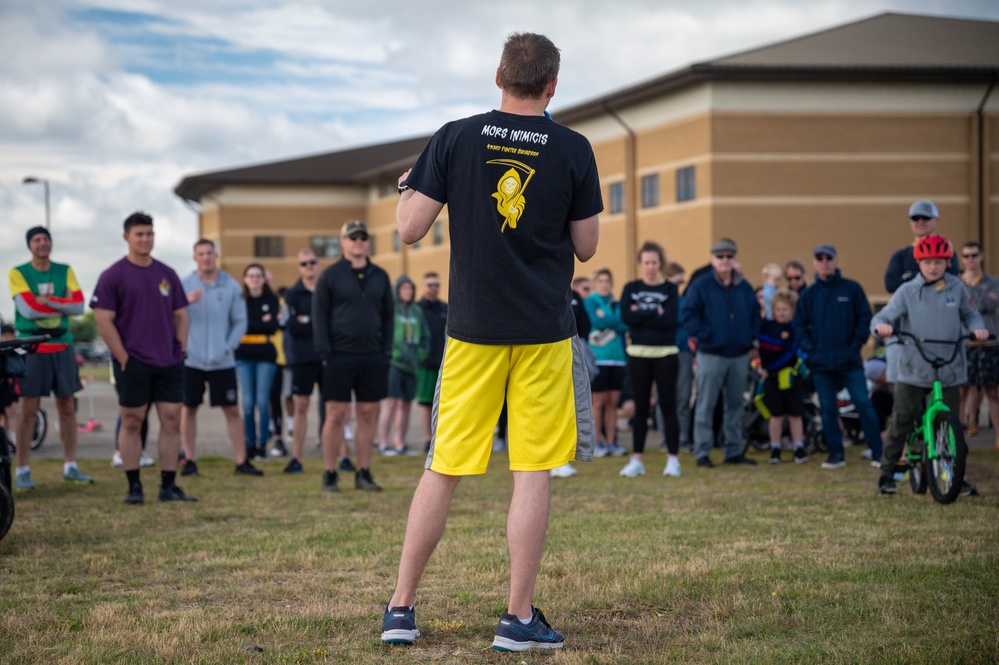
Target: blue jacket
{"x":831,"y":323}
{"x":724,"y":319}
{"x":218,"y":322}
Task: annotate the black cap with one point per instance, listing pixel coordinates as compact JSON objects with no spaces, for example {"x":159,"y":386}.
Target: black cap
{"x":35,"y":230}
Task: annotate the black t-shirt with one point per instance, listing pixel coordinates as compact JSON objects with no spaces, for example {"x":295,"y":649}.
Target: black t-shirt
{"x":512,"y":184}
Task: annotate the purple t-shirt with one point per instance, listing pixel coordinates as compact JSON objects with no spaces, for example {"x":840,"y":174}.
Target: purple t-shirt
{"x":143,"y":300}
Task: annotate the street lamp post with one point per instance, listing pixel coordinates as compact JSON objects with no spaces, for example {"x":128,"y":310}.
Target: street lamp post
{"x":30,"y":180}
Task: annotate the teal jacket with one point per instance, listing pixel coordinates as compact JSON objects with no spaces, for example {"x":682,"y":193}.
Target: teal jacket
{"x":609,"y":317}
{"x":411,"y":334}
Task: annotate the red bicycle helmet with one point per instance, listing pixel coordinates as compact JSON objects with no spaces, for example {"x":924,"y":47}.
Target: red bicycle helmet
{"x":933,"y":247}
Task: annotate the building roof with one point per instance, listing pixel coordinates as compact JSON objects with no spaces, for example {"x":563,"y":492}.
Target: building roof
{"x":898,"y":47}
{"x":356,"y":166}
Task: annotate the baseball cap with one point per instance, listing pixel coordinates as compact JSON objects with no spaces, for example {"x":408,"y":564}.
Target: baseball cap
{"x":924,"y":208}
{"x":824,"y":249}
{"x":353,"y":226}
{"x":875,"y":368}
{"x":724,"y":245}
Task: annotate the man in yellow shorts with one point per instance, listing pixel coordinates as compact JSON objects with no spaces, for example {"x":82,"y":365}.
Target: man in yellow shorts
{"x":523,"y":198}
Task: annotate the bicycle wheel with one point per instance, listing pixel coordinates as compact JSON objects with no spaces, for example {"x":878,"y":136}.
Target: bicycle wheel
{"x":917,"y":476}
{"x":945,"y":470}
{"x":6,"y":510}
{"x":41,"y":429}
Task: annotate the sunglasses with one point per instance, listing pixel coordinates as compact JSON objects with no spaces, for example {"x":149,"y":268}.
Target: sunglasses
{"x":793,"y":278}
{"x":920,"y":218}
{"x":971,"y":256}
{"x":723,"y":257}
{"x":308,"y":263}
{"x":359,"y":236}
{"x":823,"y":257}
{"x":433,"y":285}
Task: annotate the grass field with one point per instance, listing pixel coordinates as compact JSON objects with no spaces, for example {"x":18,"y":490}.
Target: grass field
{"x":787,"y":564}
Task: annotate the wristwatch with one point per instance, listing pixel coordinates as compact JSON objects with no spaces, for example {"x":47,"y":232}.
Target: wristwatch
{"x":403,"y":187}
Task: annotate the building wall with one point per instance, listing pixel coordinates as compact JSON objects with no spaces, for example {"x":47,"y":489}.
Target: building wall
{"x":779,"y":167}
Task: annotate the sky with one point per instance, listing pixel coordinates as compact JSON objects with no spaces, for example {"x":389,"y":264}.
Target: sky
{"x":115,"y":101}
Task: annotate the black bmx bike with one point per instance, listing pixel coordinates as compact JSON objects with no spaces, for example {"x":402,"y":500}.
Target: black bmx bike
{"x":12,"y":354}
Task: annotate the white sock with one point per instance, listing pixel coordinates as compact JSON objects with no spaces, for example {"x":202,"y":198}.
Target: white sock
{"x":775,"y":445}
{"x":525,"y":621}
{"x":21,"y":470}
{"x":672,"y":457}
{"x":67,"y":466}
{"x":799,"y":444}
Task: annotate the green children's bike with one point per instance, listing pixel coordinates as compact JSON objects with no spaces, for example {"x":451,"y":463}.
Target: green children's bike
{"x":937,"y":451}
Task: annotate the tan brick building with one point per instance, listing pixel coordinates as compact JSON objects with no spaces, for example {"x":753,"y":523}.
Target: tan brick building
{"x":824,"y":138}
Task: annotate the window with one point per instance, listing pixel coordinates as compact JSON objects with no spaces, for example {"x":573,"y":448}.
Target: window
{"x":268,"y":246}
{"x":326,"y":247}
{"x":438,"y":232}
{"x":396,"y":242}
{"x":650,"y":190}
{"x":371,"y":244}
{"x":616,"y":197}
{"x":415,"y":245}
{"x":686,"y":189}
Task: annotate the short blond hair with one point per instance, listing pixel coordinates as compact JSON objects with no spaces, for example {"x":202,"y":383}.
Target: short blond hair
{"x":786,"y":296}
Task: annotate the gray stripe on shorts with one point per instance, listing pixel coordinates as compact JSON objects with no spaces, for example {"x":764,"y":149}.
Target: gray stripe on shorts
{"x":585,"y":431}
{"x":433,"y":411}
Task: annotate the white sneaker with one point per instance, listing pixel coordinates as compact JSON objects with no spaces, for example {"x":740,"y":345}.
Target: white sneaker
{"x":347,"y":433}
{"x":866,"y":454}
{"x":672,"y":467}
{"x":634,"y":468}
{"x":564,"y":471}
{"x":146,"y":460}
{"x":601,"y":450}
{"x":116,"y":460}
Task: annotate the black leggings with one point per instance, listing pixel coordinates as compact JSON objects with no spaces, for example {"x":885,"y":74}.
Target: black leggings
{"x":663,"y":371}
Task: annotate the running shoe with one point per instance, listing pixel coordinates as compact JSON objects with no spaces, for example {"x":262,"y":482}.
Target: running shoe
{"x":294,"y":466}
{"x":672,"y":467}
{"x":399,"y":625}
{"x":173,"y":493}
{"x":23,"y":481}
{"x":512,"y":635}
{"x":247,"y":469}
{"x":145,"y":461}
{"x":135,"y":496}
{"x":633,"y":469}
{"x":364,"y":481}
{"x":601,"y":450}
{"x":832,"y":463}
{"x":614,"y":450}
{"x":331,"y":482}
{"x":189,"y":468}
{"x":74,"y":475}
{"x":886,"y":485}
{"x":800,"y":456}
{"x":775,"y":455}
{"x":564,"y":471}
{"x":116,"y":460}
{"x":346,"y":466}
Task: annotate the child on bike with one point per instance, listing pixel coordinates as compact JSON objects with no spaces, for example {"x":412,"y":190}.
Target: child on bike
{"x":783,"y":394}
{"x":934,"y":306}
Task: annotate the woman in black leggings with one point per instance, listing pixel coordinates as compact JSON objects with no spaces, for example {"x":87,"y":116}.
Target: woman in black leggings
{"x":650,"y":308}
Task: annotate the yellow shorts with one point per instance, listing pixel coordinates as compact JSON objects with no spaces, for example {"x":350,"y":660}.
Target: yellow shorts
{"x":549,"y":409}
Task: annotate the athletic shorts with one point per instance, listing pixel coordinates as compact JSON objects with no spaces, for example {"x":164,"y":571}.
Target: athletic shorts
{"x":51,"y":373}
{"x":790,"y":402}
{"x":305,"y":377}
{"x":549,"y":407}
{"x":426,"y":385}
{"x":401,"y":384}
{"x":141,"y":384}
{"x":286,"y":382}
{"x":983,"y":366}
{"x":365,"y":375}
{"x":611,"y":377}
{"x":221,"y":386}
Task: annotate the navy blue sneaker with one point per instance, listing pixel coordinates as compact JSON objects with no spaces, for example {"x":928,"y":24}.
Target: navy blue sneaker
{"x":399,"y":625}
{"x":512,"y":635}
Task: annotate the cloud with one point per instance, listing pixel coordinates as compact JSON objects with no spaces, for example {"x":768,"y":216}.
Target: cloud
{"x":114,"y":101}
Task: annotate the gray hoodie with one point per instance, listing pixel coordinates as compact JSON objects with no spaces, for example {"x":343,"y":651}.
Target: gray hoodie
{"x":930,"y":311}
{"x":218,"y":322}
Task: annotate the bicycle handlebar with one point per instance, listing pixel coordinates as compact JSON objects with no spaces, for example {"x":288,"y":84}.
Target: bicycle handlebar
{"x":22,"y":343}
{"x":938,"y":362}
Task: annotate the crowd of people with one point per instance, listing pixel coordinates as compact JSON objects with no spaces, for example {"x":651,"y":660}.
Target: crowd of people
{"x":346,"y":330}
